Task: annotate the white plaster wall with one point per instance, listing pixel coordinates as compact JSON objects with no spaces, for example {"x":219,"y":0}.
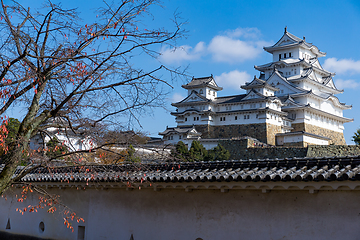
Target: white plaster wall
{"x":230,"y":119}
{"x":294,"y":54}
{"x":315,"y":141}
{"x":211,"y":95}
{"x":291,"y":139}
{"x":304,"y":52}
{"x":190,"y":119}
{"x":300,"y":138}
{"x":28,"y":224}
{"x":324,"y":122}
{"x":175,"y":139}
{"x":273,"y":119}
{"x":207,"y":214}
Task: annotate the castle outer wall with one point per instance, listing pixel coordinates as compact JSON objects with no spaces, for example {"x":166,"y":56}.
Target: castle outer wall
{"x":288,"y":211}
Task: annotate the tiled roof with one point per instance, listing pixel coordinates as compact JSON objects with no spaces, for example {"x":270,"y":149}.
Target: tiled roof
{"x":186,"y":100}
{"x":203,"y":81}
{"x":230,"y":99}
{"x":178,"y":130}
{"x":295,"y":169}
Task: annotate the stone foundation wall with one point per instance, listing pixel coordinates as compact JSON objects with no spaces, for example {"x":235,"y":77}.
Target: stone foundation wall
{"x":263,"y":132}
{"x":295,"y":144}
{"x":257,"y":131}
{"x":337,"y":138}
{"x":271,"y":131}
{"x":238,"y":152}
{"x":333,"y":150}
{"x":244,"y":149}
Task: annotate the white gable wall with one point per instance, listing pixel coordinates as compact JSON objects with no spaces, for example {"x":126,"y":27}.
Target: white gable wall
{"x":294,"y":54}
{"x":323,"y":122}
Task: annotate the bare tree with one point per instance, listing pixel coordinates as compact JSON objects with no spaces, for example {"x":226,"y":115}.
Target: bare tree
{"x":82,"y":74}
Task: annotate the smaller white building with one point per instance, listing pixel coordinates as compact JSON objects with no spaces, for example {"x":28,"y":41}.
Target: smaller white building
{"x":56,"y":130}
{"x":174,"y":135}
{"x":297,"y":138}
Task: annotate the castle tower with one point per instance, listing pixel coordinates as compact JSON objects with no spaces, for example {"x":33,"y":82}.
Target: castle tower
{"x":306,"y":89}
{"x":292,"y":102}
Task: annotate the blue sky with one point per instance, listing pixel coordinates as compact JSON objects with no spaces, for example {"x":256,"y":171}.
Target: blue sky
{"x":226,"y":38}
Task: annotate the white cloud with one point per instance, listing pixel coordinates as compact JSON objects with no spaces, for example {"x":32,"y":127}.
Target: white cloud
{"x":233,"y":79}
{"x":177,"y":98}
{"x":244,"y":32}
{"x":231,"y":46}
{"x":342,"y":66}
{"x":179,"y":54}
{"x":226,"y":49}
{"x":350,"y":83}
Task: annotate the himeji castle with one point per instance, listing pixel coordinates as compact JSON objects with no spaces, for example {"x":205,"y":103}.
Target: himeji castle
{"x":291,"y":103}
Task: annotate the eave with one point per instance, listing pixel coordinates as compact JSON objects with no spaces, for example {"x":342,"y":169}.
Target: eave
{"x":178,"y":104}
{"x":201,"y":86}
{"x":264,"y":109}
{"x":192,"y":111}
{"x":302,"y":44}
{"x":320,"y":112}
{"x":306,"y":78}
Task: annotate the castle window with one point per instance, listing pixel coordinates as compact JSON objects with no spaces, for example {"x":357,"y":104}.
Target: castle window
{"x":284,"y":55}
{"x":244,"y":116}
{"x":209,"y":92}
{"x":241,"y":106}
{"x":197,"y":118}
{"x":81,"y":232}
{"x":224,"y":118}
{"x":180,"y":137}
{"x":248,"y":116}
{"x":185,"y":119}
{"x":290,"y":54}
{"x":201,"y":91}
{"x":220,"y":119}
{"x":279,"y":57}
{"x":235,"y":117}
{"x":41,"y":227}
{"x":228,"y":108}
{"x":214,"y":93}
{"x":260,"y":104}
{"x":257,"y":115}
{"x":194,"y":118}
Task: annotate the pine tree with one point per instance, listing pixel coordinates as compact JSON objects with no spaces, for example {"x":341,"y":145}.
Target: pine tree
{"x":356,"y":137}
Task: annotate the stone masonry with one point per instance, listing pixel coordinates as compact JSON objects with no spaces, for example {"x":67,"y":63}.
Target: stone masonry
{"x":263,"y":132}
{"x":337,"y":138}
{"x":243,"y":149}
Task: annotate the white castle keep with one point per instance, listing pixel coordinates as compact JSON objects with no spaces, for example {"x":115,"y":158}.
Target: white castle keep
{"x":291,"y":103}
